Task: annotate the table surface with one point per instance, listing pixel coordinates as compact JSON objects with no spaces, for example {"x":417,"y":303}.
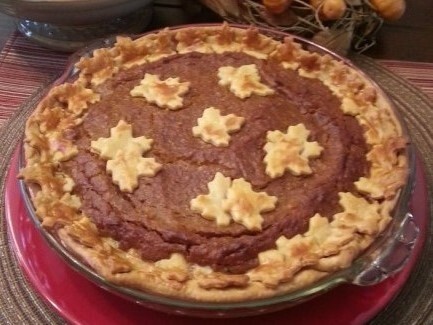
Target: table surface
{"x":405,"y":47}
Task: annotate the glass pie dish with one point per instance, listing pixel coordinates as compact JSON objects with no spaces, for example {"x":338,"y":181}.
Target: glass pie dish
{"x":386,"y":256}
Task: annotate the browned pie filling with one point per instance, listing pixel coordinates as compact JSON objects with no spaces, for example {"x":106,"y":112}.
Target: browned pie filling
{"x":156,"y":218}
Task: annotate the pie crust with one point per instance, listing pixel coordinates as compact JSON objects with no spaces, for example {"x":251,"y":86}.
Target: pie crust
{"x":329,"y":244}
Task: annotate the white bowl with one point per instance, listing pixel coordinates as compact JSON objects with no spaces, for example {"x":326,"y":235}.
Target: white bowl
{"x":70,"y":12}
{"x":68,"y":25}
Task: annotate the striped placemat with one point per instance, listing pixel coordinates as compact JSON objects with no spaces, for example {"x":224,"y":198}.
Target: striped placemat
{"x":419,"y":74}
{"x":26,"y":67}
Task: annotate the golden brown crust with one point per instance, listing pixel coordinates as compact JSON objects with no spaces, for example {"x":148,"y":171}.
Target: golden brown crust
{"x":327,"y":246}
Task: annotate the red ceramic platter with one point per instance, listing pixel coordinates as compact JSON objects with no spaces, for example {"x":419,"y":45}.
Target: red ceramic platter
{"x":80,"y":301}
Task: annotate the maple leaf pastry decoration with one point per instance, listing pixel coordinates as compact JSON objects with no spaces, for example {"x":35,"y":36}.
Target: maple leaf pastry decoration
{"x":124,"y":158}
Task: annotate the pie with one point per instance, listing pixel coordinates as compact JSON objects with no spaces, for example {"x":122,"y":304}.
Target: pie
{"x":215,"y":163}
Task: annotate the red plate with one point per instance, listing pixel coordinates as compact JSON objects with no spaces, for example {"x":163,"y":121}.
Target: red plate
{"x":80,"y":301}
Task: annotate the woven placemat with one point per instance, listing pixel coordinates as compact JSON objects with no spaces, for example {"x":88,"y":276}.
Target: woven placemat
{"x":19,"y":304}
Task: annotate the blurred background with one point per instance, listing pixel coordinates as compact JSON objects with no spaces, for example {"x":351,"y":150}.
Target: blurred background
{"x":78,"y":21}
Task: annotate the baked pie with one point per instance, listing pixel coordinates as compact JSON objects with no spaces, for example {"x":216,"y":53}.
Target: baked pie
{"x":214,"y":163}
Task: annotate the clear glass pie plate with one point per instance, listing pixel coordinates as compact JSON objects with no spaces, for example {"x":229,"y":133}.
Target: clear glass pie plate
{"x":386,"y":256}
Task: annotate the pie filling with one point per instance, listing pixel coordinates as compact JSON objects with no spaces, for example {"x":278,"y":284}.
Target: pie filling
{"x":156,"y":218}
